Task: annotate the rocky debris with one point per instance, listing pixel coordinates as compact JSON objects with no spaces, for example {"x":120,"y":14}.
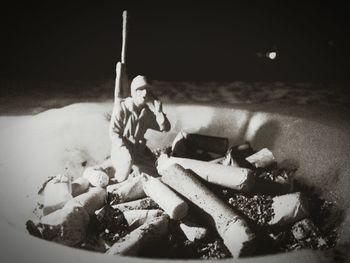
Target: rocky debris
{"x":236,"y":156}
{"x":192,"y":230}
{"x":79,"y":186}
{"x":151,"y":232}
{"x":143,"y":203}
{"x":308,"y":235}
{"x":177,"y":246}
{"x":262,"y":159}
{"x":282,"y":213}
{"x":159,"y":151}
{"x":111,"y":224}
{"x":257,"y":208}
{"x":289,"y":208}
{"x":275,"y":180}
{"x":282,"y":176}
{"x":212,"y":250}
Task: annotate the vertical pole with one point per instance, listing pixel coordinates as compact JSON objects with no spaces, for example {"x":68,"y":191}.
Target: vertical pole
{"x":125,"y":16}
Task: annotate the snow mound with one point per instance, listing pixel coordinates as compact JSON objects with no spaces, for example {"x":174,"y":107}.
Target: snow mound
{"x":36,"y":147}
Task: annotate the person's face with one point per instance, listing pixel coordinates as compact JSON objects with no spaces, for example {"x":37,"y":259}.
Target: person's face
{"x":139,"y":97}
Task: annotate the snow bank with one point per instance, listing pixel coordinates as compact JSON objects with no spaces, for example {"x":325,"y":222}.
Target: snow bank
{"x":35,"y":147}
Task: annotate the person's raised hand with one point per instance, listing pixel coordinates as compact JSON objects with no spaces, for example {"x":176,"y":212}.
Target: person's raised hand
{"x":155,"y":106}
{"x":158,"y":106}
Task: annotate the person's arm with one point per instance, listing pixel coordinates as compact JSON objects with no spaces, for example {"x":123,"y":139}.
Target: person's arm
{"x":162,"y":120}
{"x":116,"y":127}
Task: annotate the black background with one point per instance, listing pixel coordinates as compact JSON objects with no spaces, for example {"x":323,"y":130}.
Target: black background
{"x":169,"y":40}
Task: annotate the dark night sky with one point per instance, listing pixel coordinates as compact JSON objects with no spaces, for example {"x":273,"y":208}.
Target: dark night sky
{"x":221,"y":41}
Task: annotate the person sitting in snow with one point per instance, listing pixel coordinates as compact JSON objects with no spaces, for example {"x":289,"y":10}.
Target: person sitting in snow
{"x":131,"y":118}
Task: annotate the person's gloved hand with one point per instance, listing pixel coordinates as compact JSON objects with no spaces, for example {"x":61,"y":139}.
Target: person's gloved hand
{"x":156,"y":106}
{"x":153,"y":103}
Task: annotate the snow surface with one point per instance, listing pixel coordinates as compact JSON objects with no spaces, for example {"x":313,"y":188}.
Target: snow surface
{"x":39,"y":146}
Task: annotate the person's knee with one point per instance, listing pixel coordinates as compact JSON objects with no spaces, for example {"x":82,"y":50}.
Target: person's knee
{"x":122,"y":172}
{"x":122,"y":162}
